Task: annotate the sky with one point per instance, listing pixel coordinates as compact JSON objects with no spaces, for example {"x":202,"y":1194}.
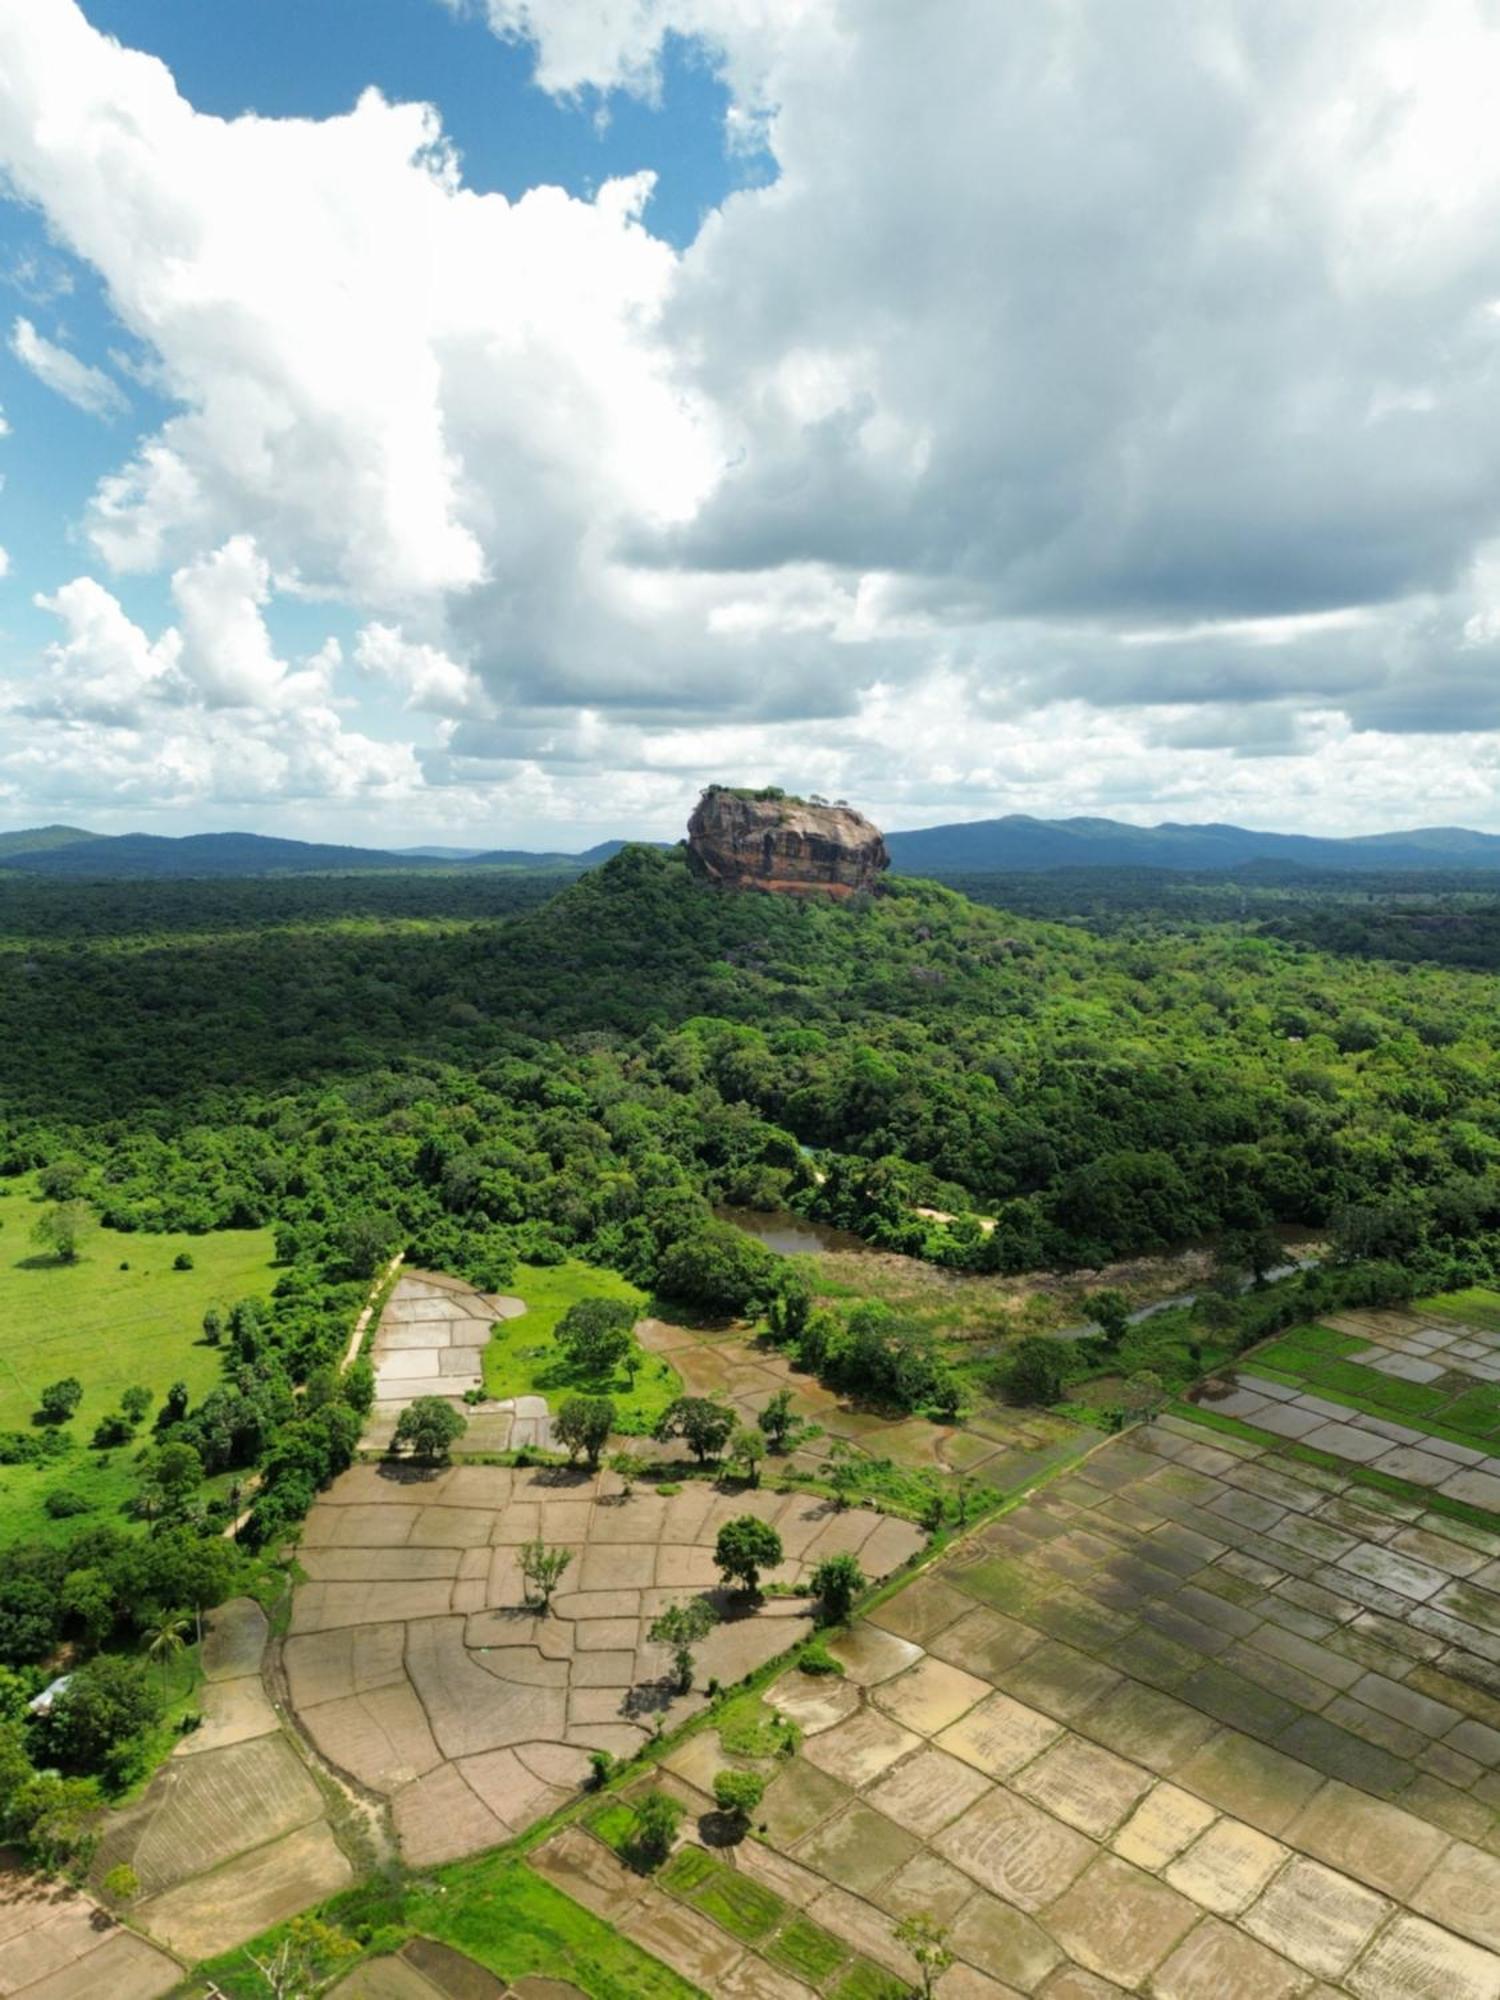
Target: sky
{"x":484,"y":422}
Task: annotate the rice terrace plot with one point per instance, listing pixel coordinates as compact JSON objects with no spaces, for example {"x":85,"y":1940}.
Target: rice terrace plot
{"x":1218,"y":1713}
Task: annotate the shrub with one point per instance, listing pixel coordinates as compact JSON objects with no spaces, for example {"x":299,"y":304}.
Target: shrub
{"x":62,"y":1503}
{"x":183,"y":1261}
{"x":59,"y":1400}
{"x":1032,"y":1372}
{"x":816,"y":1659}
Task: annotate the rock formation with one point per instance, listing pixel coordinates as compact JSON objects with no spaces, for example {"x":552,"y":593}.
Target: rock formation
{"x":765,"y":840}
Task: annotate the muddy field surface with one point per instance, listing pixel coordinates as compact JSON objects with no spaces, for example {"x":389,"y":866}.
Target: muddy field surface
{"x":415,"y":1664}
{"x":1200,"y":1719}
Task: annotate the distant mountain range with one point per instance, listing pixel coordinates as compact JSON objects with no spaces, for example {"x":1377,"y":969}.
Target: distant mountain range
{"x":971,"y":847}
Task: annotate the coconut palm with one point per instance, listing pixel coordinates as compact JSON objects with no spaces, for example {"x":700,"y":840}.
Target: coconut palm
{"x":167,"y":1638}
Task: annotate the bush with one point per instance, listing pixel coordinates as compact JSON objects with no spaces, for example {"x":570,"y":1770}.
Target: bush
{"x":59,"y":1400}
{"x":62,"y":1503}
{"x":183,"y":1261}
{"x":816,"y":1659}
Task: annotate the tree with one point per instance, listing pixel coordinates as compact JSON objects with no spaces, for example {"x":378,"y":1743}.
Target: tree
{"x":842,"y":1471}
{"x":1110,"y":1311}
{"x":628,"y":1467}
{"x":738,"y":1793}
{"x":927,"y":1941}
{"x":183,"y":1261}
{"x":1033,"y":1371}
{"x":213,"y":1326}
{"x":656,"y":1817}
{"x":121,"y":1884}
{"x":583,"y":1424}
{"x":59,"y":1400}
{"x":705,"y":1424}
{"x":174,"y":1407}
{"x":431,"y":1426}
{"x":596,"y":1335}
{"x":166,"y":1639}
{"x":93,"y":1721}
{"x":837,"y":1581}
{"x":134,"y":1403}
{"x":306,"y":1959}
{"x":61,"y":1230}
{"x":543,"y":1570}
{"x":719,"y":1268}
{"x":747,"y":1448}
{"x":746,"y":1546}
{"x":683,"y":1626}
{"x":777,"y":1421}
{"x":88,"y":1596}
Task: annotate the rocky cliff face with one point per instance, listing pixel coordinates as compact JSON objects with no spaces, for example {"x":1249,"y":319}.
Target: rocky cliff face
{"x":783,"y":845}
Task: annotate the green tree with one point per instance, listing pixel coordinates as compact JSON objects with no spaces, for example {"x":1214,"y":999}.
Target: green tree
{"x":706,"y":1425}
{"x":61,"y":1230}
{"x":134,"y":1403}
{"x":59,"y":1400}
{"x":305,"y":1960}
{"x":836,"y":1582}
{"x":777,"y":1420}
{"x":88,"y":1597}
{"x":1032,"y":1372}
{"x":746,"y":1546}
{"x":165,"y":1640}
{"x":738,"y":1793}
{"x":583,"y":1424}
{"x":596,"y":1335}
{"x":747,"y":1448}
{"x":120,"y":1884}
{"x":213,"y":1326}
{"x":927,"y":1941}
{"x":431,"y":1427}
{"x":542,"y":1568}
{"x":842,"y":1470}
{"x":656,"y":1818}
{"x":93,"y":1722}
{"x":683,"y":1626}
{"x":628,"y":1467}
{"x":1110,"y":1311}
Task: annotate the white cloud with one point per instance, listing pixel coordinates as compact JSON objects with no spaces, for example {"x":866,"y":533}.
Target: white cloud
{"x":4,"y":562}
{"x":79,"y":383}
{"x":1099,"y":392}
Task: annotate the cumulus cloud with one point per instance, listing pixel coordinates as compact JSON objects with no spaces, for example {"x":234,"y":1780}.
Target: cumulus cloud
{"x":1096,"y":409}
{"x":78,"y":382}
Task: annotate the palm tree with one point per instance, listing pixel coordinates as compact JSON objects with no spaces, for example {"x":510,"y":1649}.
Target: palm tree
{"x":168,"y":1637}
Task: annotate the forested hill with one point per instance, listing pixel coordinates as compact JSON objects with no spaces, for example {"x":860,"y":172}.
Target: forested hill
{"x":1018,"y":842}
{"x":575,"y":1074}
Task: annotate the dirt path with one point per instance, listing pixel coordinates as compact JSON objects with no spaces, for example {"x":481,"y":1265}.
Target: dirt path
{"x":351,"y":1352}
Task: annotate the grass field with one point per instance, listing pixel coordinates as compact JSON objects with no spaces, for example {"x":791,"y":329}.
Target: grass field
{"x":498,"y":1912}
{"x":523,"y":1358}
{"x":111,"y":1327}
{"x":1476,"y":1307}
{"x":1315,"y":1357}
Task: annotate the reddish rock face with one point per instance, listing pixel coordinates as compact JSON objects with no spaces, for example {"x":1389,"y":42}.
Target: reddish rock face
{"x":783,"y":845}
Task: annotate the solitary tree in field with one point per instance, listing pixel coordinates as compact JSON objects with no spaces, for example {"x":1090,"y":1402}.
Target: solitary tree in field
{"x":542,"y":1568}
{"x":745,"y":1547}
{"x":1111,"y":1314}
{"x":738,"y":1793}
{"x":683,"y":1626}
{"x":61,"y":1229}
{"x":777,"y":1420}
{"x":746,"y":1449}
{"x":431,"y":1427}
{"x":703,"y":1423}
{"x":927,"y":1941}
{"x":656,"y":1817}
{"x":59,"y":1400}
{"x":583,"y":1425}
{"x":837,"y":1581}
{"x":595,"y":1335}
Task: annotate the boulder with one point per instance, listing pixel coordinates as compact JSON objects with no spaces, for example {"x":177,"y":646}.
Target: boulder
{"x":765,"y":840}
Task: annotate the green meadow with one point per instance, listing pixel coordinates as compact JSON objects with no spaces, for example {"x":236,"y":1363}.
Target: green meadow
{"x":119,"y":1316}
{"x":523,"y":1357}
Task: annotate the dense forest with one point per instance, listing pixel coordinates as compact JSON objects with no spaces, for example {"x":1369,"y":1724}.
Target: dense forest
{"x":387,"y":1060}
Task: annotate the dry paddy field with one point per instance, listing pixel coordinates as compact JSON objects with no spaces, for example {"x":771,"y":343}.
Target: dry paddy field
{"x":414,"y":1664}
{"x":1212,"y":1716}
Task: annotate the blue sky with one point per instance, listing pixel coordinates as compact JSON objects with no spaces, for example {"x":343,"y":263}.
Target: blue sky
{"x":958,"y":409}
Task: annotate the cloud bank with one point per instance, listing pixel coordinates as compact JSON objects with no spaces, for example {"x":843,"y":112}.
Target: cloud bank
{"x":1095,"y":413}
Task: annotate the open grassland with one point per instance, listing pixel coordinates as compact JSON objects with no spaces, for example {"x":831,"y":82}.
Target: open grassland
{"x":121,"y":1315}
{"x":523,"y":1357}
{"x":495,"y":1910}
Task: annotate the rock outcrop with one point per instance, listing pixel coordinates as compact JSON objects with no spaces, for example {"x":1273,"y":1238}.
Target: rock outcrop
{"x":765,"y":840}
